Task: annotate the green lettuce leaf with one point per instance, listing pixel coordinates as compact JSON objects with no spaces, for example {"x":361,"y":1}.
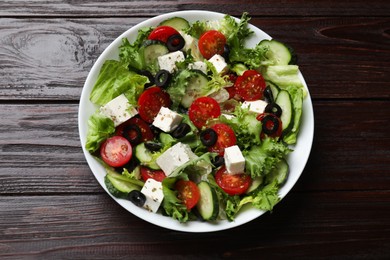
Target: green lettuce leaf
{"x":171,"y":205}
{"x":261,"y":159}
{"x":99,"y":129}
{"x":114,"y":79}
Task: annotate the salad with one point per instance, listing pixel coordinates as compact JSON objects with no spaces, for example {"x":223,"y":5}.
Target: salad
{"x":193,"y":124}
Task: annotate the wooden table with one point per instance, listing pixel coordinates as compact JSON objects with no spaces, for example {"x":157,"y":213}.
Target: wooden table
{"x":51,"y":206}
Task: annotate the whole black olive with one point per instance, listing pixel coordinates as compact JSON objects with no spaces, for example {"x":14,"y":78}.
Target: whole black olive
{"x":181,"y":130}
{"x":226,"y":52}
{"x":273,"y":108}
{"x":162,"y":78}
{"x":175,"y":42}
{"x":208,"y":137}
{"x":136,"y":197}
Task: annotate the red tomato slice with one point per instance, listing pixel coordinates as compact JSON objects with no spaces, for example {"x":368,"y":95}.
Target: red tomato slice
{"x":226,"y":138}
{"x":147,"y":173}
{"x":232,"y":184}
{"x":162,"y":33}
{"x":116,"y":151}
{"x":150,"y":102}
{"x":146,"y":132}
{"x":250,"y":86}
{"x":202,"y":109}
{"x":188,"y":192}
{"x":211,"y":43}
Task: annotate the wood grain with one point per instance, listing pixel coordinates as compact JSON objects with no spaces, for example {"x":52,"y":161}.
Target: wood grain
{"x":55,"y":226}
{"x":104,"y":8}
{"x":40,"y":149}
{"x":329,"y":51}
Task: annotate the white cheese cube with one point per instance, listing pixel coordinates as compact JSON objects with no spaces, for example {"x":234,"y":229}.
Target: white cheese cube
{"x":167,"y":120}
{"x":234,"y":160}
{"x":198,"y":65}
{"x":168,"y":61}
{"x":119,"y":110}
{"x":257,"y":106}
{"x":219,"y":63}
{"x":153,"y":192}
{"x":174,"y":157}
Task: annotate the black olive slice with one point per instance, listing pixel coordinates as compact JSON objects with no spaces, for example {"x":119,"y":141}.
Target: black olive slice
{"x":218,"y":161}
{"x":150,"y":77}
{"x":181,"y":130}
{"x":175,"y":42}
{"x":270,"y":124}
{"x":208,"y":137}
{"x":137,"y":198}
{"x":268,"y":95}
{"x":153,"y":146}
{"x":162,"y":78}
{"x":133,"y":134}
{"x":273,"y":108}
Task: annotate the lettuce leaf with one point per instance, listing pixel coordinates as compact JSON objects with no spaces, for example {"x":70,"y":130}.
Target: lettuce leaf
{"x":171,"y":205}
{"x":99,"y":129}
{"x":261,"y":159}
{"x":114,"y":79}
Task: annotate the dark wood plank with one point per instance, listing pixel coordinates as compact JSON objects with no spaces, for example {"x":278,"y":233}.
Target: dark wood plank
{"x":99,"y":8}
{"x":339,"y":224}
{"x":104,"y":8}
{"x":340,"y":58}
{"x":40,"y":149}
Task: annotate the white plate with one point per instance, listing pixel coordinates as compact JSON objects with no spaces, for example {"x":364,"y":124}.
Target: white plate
{"x":297,"y":159}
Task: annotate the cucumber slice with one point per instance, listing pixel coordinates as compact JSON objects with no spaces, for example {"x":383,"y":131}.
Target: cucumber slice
{"x":279,"y":173}
{"x":208,"y":205}
{"x":256,"y":182}
{"x":276,"y":53}
{"x":145,"y":157}
{"x":119,"y":188}
{"x":195,"y":87}
{"x":153,"y":49}
{"x":178,"y":23}
{"x":284,"y":101}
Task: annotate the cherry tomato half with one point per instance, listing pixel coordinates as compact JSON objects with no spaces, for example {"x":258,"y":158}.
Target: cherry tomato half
{"x":116,"y":151}
{"x":250,"y":85}
{"x":150,"y":102}
{"x":202,"y":109}
{"x":188,"y":192}
{"x":232,"y":184}
{"x":132,"y":128}
{"x":226,"y":138}
{"x":162,"y":33}
{"x":147,"y":173}
{"x":211,"y":43}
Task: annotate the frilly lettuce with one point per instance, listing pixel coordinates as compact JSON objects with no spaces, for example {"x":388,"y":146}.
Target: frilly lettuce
{"x":261,"y":159}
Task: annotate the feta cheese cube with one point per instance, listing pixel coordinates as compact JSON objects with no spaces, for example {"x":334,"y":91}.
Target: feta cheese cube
{"x":174,"y":157}
{"x":153,"y":192}
{"x":198,"y":65}
{"x":219,"y":63}
{"x":167,"y":120}
{"x":234,"y":160}
{"x":168,"y":61}
{"x":257,"y":106}
{"x":119,"y":110}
